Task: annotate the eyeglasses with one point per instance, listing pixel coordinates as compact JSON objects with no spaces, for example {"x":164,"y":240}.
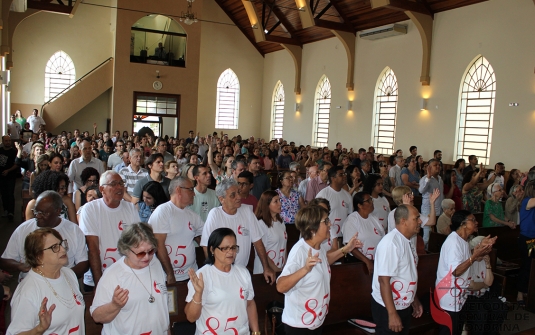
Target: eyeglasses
{"x":39,"y":213}
{"x":233,"y":248}
{"x":370,"y":200}
{"x":115,"y":184}
{"x":327,"y":221}
{"x":56,"y":247}
{"x":142,"y":254}
{"x":187,"y":188}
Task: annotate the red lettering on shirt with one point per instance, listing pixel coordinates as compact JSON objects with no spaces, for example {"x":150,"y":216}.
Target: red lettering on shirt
{"x":75,"y":329}
{"x":120,"y":226}
{"x":239,"y":230}
{"x":156,"y":287}
{"x":241,"y":293}
{"x":189,"y":226}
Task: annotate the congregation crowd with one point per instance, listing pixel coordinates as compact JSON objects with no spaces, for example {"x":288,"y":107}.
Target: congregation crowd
{"x":104,"y":205}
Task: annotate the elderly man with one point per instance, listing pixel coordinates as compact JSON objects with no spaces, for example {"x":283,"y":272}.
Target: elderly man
{"x":47,"y":210}
{"x":242,"y":221}
{"x":35,"y":121}
{"x":78,"y":165}
{"x":238,"y":166}
{"x":340,"y":201}
{"x":319,"y":183}
{"x":175,"y":227}
{"x":116,"y":158}
{"x":155,"y":166}
{"x":205,"y":198}
{"x":261,"y":181}
{"x":393,"y":308}
{"x":395,"y":172}
{"x":302,"y":188}
{"x":125,"y":161}
{"x":102,"y":222}
{"x":133,"y":173}
{"x":428,"y":184}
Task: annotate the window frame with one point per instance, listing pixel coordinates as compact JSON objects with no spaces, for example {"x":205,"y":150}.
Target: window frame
{"x":62,"y":62}
{"x":322,"y":98}
{"x":232,"y":93}
{"x":277,"y":111}
{"x":161,"y":116}
{"x":388,"y":96}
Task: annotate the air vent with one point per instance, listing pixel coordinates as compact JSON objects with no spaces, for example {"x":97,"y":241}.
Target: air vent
{"x":384,"y":32}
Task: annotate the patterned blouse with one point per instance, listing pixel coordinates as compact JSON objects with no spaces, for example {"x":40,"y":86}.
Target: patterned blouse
{"x":472,"y":200}
{"x":289,"y":206}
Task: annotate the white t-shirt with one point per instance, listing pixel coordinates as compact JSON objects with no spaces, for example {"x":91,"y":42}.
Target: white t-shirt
{"x":274,"y":240}
{"x":138,"y":316}
{"x":381,"y":209}
{"x":243,"y":223}
{"x":454,"y":251}
{"x":370,"y":232}
{"x":341,"y":206}
{"x":68,"y":230}
{"x":414,"y":239}
{"x":478,"y":273}
{"x":181,"y":227}
{"x":97,"y":219}
{"x":395,"y":258}
{"x":499,"y":179}
{"x":224,"y":300}
{"x":67,"y":318}
{"x":307,"y":303}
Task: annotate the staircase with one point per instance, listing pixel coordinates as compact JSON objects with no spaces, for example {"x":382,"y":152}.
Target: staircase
{"x":78,"y":95}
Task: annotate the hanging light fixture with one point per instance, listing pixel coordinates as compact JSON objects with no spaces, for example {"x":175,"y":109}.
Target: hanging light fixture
{"x":188,"y":17}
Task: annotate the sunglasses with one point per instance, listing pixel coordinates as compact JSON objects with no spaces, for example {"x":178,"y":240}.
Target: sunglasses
{"x":142,"y":254}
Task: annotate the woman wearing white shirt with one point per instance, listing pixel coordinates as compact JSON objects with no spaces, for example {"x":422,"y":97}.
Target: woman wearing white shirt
{"x":305,"y":279}
{"x":374,"y":187}
{"x":453,"y":275}
{"x":273,"y":231}
{"x":366,"y":225}
{"x":220,"y":294}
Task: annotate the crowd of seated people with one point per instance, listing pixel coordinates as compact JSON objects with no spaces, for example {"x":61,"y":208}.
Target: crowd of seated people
{"x":125,"y":197}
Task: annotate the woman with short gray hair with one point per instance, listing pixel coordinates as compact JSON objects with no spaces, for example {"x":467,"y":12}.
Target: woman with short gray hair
{"x":131,"y":296}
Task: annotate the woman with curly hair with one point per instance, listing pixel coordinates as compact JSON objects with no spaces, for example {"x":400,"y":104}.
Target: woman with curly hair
{"x":52,"y":181}
{"x":90,"y":177}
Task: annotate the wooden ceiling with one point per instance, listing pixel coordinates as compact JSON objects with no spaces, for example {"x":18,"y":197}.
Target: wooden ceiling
{"x":281,"y":22}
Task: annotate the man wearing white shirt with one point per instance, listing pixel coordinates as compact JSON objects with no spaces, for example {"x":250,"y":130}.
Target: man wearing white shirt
{"x":35,"y":121}
{"x":395,"y":277}
{"x":175,"y":227}
{"x":14,"y":129}
{"x":242,"y":221}
{"x":79,"y":164}
{"x":499,"y":171}
{"x":340,"y":201}
{"x":102,"y":221}
{"x":47,"y":210}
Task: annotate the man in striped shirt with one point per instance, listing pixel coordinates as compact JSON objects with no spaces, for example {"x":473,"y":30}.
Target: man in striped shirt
{"x":132,"y":173}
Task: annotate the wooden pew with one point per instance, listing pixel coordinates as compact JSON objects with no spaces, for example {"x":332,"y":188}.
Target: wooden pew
{"x":435,"y":242}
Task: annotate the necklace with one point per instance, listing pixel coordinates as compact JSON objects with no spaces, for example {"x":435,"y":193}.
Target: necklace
{"x":151,"y":297}
{"x":66,"y":302}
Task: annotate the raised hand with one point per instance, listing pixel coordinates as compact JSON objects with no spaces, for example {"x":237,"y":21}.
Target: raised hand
{"x":120,"y":297}
{"x":197,"y":282}
{"x":353,"y":243}
{"x":45,"y":316}
{"x":312,"y":260}
{"x":433,"y":197}
{"x":407,"y":198}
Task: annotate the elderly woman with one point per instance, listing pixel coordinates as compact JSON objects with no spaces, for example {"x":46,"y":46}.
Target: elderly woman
{"x":220,"y":294}
{"x":374,"y":187}
{"x":48,"y":300}
{"x":90,"y":177}
{"x":453,"y":268}
{"x":512,"y":205}
{"x":305,"y":280}
{"x":131,"y":296}
{"x":444,"y":220}
{"x":485,"y":311}
{"x":171,"y":169}
{"x":52,"y":181}
{"x":493,"y":216}
{"x":290,"y":199}
{"x":366,"y":226}
{"x":273,"y":231}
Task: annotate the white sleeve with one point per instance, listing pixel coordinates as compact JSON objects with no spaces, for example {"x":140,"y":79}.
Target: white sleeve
{"x":387,"y":261}
{"x":349,"y":229}
{"x":80,"y":254}
{"x":14,"y":249}
{"x":87,"y":224}
{"x":423,"y":184}
{"x":392,"y":173}
{"x":256,"y":232}
{"x":207,"y":229}
{"x":104,"y":293}
{"x":159,"y":221}
{"x":24,"y":313}
{"x":198,"y":225}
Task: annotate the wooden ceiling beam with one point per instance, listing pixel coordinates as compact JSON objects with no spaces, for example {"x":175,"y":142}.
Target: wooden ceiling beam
{"x":283,"y":40}
{"x":333,"y":26}
{"x":401,"y":6}
{"x":305,"y":13}
{"x":347,"y":20}
{"x":282,"y":18}
{"x":256,"y":24}
{"x":244,"y":32}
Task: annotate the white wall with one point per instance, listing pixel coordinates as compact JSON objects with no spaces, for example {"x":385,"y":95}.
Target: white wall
{"x":222,"y":47}
{"x":496,"y":29}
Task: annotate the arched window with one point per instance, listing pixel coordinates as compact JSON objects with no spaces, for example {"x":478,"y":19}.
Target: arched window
{"x":322,"y":112}
{"x":385,"y":111}
{"x":228,"y":101}
{"x":476,"y":111}
{"x":59,"y":74}
{"x":277,"y":115}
